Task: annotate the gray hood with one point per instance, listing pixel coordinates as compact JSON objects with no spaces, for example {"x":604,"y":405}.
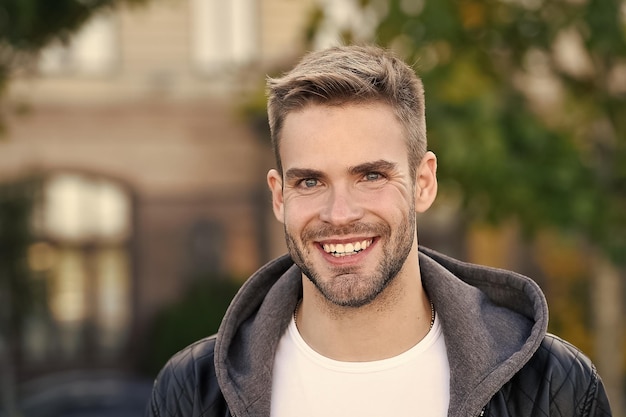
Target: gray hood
{"x":493,"y":322}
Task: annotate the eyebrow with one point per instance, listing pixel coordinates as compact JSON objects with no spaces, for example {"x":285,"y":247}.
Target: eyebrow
{"x":298,"y":173}
{"x":375,"y":166}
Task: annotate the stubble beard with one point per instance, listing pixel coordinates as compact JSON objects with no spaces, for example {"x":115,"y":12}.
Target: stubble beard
{"x":346,"y":286}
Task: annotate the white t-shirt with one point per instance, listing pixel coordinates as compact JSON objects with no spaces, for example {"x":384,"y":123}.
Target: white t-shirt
{"x":414,"y":383}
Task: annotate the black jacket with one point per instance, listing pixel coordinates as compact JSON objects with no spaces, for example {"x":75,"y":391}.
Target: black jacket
{"x":502,"y":362}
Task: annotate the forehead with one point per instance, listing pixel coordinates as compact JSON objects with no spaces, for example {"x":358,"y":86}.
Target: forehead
{"x":321,"y":135}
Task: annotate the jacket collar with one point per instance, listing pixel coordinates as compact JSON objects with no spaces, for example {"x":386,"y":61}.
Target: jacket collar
{"x":493,"y":321}
{"x":249,"y":334}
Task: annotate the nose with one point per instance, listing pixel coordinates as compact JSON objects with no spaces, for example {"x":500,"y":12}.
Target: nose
{"x":341,"y":207}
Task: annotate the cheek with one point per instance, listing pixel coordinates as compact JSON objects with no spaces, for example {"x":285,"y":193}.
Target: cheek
{"x":298,"y":212}
{"x":394,"y":202}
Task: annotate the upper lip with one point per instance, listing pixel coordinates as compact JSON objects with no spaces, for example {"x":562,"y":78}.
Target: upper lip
{"x":345,"y":240}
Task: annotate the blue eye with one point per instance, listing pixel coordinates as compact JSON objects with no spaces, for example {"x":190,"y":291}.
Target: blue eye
{"x":373,"y":176}
{"x":309,"y":182}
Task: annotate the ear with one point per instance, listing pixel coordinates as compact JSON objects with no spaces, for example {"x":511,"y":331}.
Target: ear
{"x":275,"y":183}
{"x":426,"y":182}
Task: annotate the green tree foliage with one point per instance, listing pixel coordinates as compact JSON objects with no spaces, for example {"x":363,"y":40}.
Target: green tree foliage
{"x":29,"y":25}
{"x":16,"y":296}
{"x":553,"y":155}
{"x":16,"y":204}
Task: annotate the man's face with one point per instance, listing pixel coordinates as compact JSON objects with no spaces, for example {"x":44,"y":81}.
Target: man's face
{"x":346,"y":198}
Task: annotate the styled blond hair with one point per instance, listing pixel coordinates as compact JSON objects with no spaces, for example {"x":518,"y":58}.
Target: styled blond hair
{"x":351,"y":75}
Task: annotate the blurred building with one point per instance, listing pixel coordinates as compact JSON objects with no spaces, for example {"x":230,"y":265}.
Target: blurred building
{"x":149,"y":172}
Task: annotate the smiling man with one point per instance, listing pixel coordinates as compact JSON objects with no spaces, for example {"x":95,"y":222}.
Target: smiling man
{"x":357,"y":319}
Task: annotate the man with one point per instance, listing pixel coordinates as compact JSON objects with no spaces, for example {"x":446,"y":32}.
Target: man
{"x":358,"y":320}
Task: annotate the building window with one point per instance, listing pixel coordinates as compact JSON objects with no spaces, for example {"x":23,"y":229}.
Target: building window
{"x":82,"y":268}
{"x":223,"y":33}
{"x":92,"y":51}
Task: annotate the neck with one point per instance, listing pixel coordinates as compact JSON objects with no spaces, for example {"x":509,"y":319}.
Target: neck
{"x":393,"y":323}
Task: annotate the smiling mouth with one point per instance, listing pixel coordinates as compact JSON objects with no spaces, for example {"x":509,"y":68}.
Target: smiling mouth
{"x":346,"y":249}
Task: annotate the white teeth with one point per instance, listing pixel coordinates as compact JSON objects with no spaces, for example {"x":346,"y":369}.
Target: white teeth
{"x":347,"y":249}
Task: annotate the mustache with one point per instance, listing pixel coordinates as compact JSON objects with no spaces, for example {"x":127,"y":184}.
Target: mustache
{"x":326,"y":231}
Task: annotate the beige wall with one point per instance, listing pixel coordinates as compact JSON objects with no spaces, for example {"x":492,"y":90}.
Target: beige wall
{"x":154,"y":57}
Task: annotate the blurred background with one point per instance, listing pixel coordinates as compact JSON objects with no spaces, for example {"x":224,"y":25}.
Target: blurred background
{"x":134,"y":147}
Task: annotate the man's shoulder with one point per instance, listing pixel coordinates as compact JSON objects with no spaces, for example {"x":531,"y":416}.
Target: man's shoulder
{"x":559,"y":380}
{"x":561,"y":360}
{"x":187,"y":383}
{"x":193,"y":359}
